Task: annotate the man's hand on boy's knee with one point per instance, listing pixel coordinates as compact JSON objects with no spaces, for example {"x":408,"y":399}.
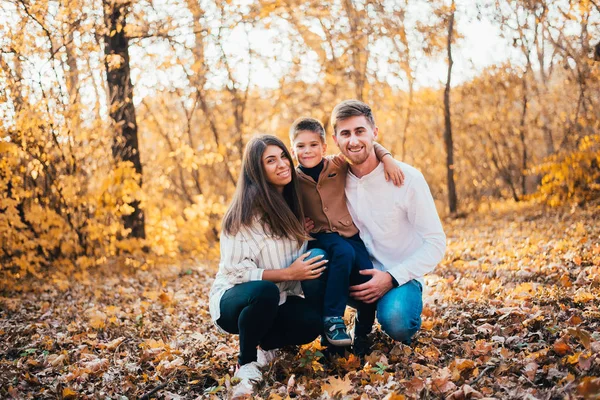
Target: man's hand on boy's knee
{"x":371,"y":291}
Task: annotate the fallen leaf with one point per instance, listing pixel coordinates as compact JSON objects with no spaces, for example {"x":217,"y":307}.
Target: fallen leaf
{"x":530,"y":370}
{"x":441,"y":383}
{"x":482,"y":348}
{"x":584,"y":336}
{"x":589,"y":387}
{"x":14,"y":393}
{"x":95,"y":366}
{"x":97,"y":319}
{"x":415,"y":385}
{"x":485,"y":328}
{"x":113,"y":344}
{"x":291,"y":383}
{"x":573,"y":359}
{"x":432,"y":353}
{"x":585,"y":362}
{"x":394,"y":396}
{"x":465,"y":392}
{"x":583,"y":296}
{"x":69,"y":393}
{"x":337,"y":385}
{"x":427,"y":325}
{"x":560,"y":347}
{"x":165,"y":298}
{"x":350,"y":363}
{"x":56,"y":359}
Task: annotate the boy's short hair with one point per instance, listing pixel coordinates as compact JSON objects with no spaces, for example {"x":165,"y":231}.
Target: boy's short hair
{"x":307,"y":124}
{"x":351,"y":108}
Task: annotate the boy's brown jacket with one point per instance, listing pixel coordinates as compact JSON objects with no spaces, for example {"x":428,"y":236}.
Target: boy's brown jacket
{"x":325,"y":201}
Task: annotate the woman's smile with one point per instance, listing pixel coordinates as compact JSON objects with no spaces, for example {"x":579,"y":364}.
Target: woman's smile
{"x":277,"y":167}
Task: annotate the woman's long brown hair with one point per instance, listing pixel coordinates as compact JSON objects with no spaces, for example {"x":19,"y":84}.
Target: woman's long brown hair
{"x":280,"y":215}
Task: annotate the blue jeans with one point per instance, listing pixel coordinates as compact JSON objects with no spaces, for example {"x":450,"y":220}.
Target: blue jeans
{"x":314,"y":289}
{"x":399,"y":311}
{"x":347,"y":256}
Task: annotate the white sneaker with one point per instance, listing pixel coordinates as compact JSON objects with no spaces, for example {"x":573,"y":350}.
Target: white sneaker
{"x":249,"y":372}
{"x":266,"y":357}
{"x":243,"y":390}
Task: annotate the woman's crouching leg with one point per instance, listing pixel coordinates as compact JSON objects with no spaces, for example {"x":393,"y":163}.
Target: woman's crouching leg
{"x":249,"y":309}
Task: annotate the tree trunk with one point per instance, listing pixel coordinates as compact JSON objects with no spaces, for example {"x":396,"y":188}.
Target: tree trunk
{"x":199,"y":80}
{"x":523,"y":137}
{"x":359,"y":46}
{"x":120,"y":91}
{"x":73,"y":74}
{"x":452,"y":201}
{"x":408,"y":115}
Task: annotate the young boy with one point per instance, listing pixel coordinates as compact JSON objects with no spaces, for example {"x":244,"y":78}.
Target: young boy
{"x":322,"y":181}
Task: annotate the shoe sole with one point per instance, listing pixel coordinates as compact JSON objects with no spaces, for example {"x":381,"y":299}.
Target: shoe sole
{"x":341,"y":342}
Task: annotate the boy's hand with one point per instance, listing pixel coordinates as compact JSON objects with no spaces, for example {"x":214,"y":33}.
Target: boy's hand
{"x":309,"y":225}
{"x":392,"y":171}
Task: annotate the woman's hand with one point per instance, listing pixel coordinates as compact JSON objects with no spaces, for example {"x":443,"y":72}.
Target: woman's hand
{"x":305,"y":269}
{"x":392,"y":171}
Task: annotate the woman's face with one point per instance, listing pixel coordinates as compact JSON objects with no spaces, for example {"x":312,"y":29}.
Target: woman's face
{"x":278,"y":168}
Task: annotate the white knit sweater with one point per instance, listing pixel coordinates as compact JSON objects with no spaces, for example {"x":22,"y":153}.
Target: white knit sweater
{"x":246,"y":255}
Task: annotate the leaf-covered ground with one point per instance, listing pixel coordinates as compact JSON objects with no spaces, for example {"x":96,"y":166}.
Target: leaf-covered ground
{"x":512,"y":312}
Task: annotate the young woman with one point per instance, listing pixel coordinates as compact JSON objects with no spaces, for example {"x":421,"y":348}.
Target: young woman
{"x":264,"y":267}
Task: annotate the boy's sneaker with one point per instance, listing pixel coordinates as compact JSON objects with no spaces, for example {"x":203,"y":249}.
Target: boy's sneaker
{"x":335,"y":332}
{"x":249,"y":375}
{"x":266,"y":357}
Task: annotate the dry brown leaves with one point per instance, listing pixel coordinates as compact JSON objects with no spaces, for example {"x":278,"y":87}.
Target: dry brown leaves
{"x":512,"y":312}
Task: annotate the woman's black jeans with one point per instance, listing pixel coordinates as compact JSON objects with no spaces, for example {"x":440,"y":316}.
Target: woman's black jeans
{"x":252,"y":310}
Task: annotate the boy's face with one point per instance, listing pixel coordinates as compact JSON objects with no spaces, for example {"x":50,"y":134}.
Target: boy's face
{"x":308,"y":148}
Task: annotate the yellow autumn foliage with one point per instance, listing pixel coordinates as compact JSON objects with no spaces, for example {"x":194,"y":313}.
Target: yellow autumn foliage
{"x":523,"y":129}
{"x":571,"y":176}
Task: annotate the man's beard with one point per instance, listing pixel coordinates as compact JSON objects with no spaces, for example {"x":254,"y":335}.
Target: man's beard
{"x":358,"y":158}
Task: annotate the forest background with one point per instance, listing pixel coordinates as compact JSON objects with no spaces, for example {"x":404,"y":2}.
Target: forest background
{"x":123,"y":123}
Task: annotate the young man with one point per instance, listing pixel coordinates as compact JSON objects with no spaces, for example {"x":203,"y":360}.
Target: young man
{"x":322,"y":179}
{"x":399,"y":226}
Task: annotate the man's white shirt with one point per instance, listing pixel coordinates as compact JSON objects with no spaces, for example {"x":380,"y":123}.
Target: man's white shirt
{"x":400,"y":226}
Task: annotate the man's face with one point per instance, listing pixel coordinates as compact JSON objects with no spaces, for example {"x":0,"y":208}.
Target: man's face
{"x":354,"y":136}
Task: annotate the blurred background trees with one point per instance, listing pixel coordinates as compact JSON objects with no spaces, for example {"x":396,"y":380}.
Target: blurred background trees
{"x":128,"y":119}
